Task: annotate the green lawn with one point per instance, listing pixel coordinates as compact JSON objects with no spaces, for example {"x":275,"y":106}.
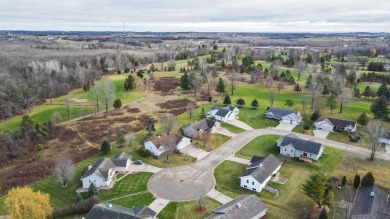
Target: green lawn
{"x":261,"y":145}
{"x":232,"y":128}
{"x":214,"y":142}
{"x":344,"y":137}
{"x":307,"y":121}
{"x":135,"y":200}
{"x":178,"y":210}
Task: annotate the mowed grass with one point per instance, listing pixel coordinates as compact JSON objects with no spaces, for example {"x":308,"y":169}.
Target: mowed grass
{"x":232,"y":128}
{"x":214,"y":142}
{"x":344,"y":137}
{"x":286,"y":205}
{"x":134,"y":200}
{"x":178,"y":210}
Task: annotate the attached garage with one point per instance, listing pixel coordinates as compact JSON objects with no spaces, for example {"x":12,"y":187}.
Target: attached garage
{"x":324,"y":126}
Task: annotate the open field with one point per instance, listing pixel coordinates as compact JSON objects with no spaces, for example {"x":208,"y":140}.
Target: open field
{"x":178,"y":210}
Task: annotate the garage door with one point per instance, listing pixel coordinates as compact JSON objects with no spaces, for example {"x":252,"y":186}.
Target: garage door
{"x":326,"y":128}
{"x":286,"y":121}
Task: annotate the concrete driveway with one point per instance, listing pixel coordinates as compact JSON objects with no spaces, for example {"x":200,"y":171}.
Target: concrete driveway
{"x":320,"y":133}
{"x":285,"y":126}
{"x":240,"y":124}
{"x":195,"y":152}
{"x":224,"y":131}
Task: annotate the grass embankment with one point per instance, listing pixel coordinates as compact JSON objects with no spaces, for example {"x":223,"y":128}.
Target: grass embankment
{"x":178,"y":210}
{"x":232,"y":128}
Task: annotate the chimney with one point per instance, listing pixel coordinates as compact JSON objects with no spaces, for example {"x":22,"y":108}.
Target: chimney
{"x":89,"y":167}
{"x":372,"y":194}
{"x":158,"y":136}
{"x":238,"y":205}
{"x":109,"y":205}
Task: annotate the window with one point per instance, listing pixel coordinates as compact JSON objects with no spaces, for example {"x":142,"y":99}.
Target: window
{"x":247,"y":181}
{"x":292,"y":151}
{"x":285,"y":149}
{"x":89,"y":181}
{"x":254,"y":189}
{"x":253,"y":183}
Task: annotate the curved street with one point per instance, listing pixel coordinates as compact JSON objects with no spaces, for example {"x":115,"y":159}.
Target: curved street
{"x":190,"y":182}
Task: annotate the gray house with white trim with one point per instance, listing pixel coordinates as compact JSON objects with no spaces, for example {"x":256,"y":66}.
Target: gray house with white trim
{"x":224,"y":114}
{"x":371,"y":202}
{"x":194,"y":129}
{"x":293,"y":146}
{"x":284,"y":115}
{"x":332,"y":124}
{"x":111,"y":211}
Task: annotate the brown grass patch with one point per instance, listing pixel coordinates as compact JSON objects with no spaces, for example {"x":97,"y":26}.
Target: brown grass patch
{"x":173,"y":104}
{"x":166,"y":84}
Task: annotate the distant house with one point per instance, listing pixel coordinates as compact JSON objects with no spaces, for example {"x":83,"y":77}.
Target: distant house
{"x":224,"y":114}
{"x":194,"y":129}
{"x":332,"y":124}
{"x":259,"y":172}
{"x":371,"y":202}
{"x":292,"y":146}
{"x":385,"y":139}
{"x":158,"y":145}
{"x":244,"y":206}
{"x":284,"y":115}
{"x":111,"y":211}
{"x":103,"y":171}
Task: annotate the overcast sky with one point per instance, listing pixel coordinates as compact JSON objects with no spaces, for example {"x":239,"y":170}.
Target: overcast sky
{"x":197,"y":15}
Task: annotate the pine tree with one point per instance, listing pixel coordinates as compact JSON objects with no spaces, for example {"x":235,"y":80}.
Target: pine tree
{"x":93,"y":191}
{"x":184,"y":82}
{"x":105,"y":147}
{"x":129,"y":83}
{"x":79,"y":198}
{"x":344,"y":181}
{"x":316,"y":115}
{"x":315,"y":188}
{"x":210,"y":99}
{"x":382,"y":90}
{"x":323,"y":214}
{"x":202,"y":114}
{"x":297,"y":88}
{"x":367,"y":92}
{"x":255,"y":104}
{"x":120,"y":139}
{"x":379,"y":108}
{"x":227,"y":100}
{"x":331,"y":103}
{"x":220,"y":86}
{"x":241,"y":102}
{"x":150,"y":127}
{"x":223,"y":64}
{"x":362,"y":119}
{"x":117,"y":104}
{"x":356,"y":181}
{"x":368,"y":179}
{"x":289,"y":103}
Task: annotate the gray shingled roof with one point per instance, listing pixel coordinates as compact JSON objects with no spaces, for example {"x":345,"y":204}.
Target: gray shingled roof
{"x":242,"y":207}
{"x":104,"y":211}
{"x":122,"y":155}
{"x":338,"y":122}
{"x":223,"y":111}
{"x":367,"y":207}
{"x":280,"y":111}
{"x":192,"y":130}
{"x":102,"y":166}
{"x":262,"y":167}
{"x":300,"y":144}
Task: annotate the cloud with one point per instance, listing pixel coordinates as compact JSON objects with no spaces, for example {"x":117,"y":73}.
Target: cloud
{"x":199,"y":15}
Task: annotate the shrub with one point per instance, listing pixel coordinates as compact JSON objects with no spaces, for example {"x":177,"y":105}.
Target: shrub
{"x":368,"y":179}
{"x":143,"y":152}
{"x":80,"y":207}
{"x":306,"y":127}
{"x":39,"y":147}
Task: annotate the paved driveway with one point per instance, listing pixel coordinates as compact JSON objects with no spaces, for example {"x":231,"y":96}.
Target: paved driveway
{"x":224,"y":131}
{"x":195,"y":152}
{"x":240,"y":124}
{"x":285,"y":126}
{"x":320,"y":133}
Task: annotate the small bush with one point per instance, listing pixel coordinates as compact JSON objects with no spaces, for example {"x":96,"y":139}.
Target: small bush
{"x":81,"y":207}
{"x":306,"y":127}
{"x":39,"y":147}
{"x":143,"y":152}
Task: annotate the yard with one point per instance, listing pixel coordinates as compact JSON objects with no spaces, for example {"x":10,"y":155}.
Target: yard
{"x":214,"y":142}
{"x":178,"y":210}
{"x":232,"y":128}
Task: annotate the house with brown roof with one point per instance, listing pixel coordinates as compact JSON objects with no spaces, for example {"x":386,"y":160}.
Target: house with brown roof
{"x":162,"y":144}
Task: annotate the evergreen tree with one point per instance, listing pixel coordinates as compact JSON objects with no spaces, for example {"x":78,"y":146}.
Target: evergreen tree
{"x":356,"y":93}
{"x":79,"y":198}
{"x":362,"y":119}
{"x":184,"y":82}
{"x":368,"y":179}
{"x":382,"y":90}
{"x":255,"y":104}
{"x":220,"y":86}
{"x":227,"y":100}
{"x":210,"y":99}
{"x":331,"y":103}
{"x":120,"y":139}
{"x":315,"y":188}
{"x":105,"y":147}
{"x":241,"y":102}
{"x":379,"y":108}
{"x":297,"y":88}
{"x":93,"y":191}
{"x":150,"y":127}
{"x":117,"y":104}
{"x":316,"y":115}
{"x":367,"y":92}
{"x":289,"y":103}
{"x":202,"y":114}
{"x":129,"y":83}
{"x":356,"y":181}
{"x":223,"y":64}
{"x":344,"y":181}
{"x":323,"y":214}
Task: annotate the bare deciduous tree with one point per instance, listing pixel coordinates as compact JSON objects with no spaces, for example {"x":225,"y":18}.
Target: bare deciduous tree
{"x":194,"y":82}
{"x":374,"y":131}
{"x":96,"y":94}
{"x":303,"y":102}
{"x":168,"y":122}
{"x":280,"y":85}
{"x":255,"y":76}
{"x":64,"y":169}
{"x":300,"y":66}
{"x":269,"y":82}
{"x":67,"y":105}
{"x":170,"y":145}
{"x":205,"y":137}
{"x":233,"y":78}
{"x":190,"y":109}
{"x":108,"y":92}
{"x":131,"y":137}
{"x":272,"y":98}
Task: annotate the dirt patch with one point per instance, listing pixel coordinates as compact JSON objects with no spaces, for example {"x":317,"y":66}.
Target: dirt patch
{"x":166,"y":84}
{"x":173,"y":104}
{"x":200,"y":209}
{"x":131,"y":110}
{"x":78,"y":100}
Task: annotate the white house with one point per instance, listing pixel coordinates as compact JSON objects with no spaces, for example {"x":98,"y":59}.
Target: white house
{"x":194,"y":129}
{"x":159,"y":145}
{"x":224,"y":114}
{"x":103,"y":171}
{"x":242,"y":207}
{"x":332,"y":124}
{"x":292,"y":146}
{"x":284,"y":115}
{"x":259,"y":172}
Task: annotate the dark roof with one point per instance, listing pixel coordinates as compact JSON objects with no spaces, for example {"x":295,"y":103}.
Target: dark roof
{"x":164,"y":140}
{"x":339,"y":122}
{"x":103,"y":165}
{"x":300,"y":144}
{"x":367,"y":206}
{"x":122,"y":155}
{"x":386,"y":135}
{"x":280,"y":111}
{"x":244,"y":206}
{"x":192,"y":130}
{"x":222,"y":112}
{"x":262,"y":167}
{"x":111,"y":211}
